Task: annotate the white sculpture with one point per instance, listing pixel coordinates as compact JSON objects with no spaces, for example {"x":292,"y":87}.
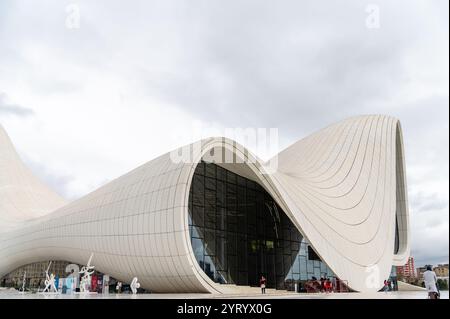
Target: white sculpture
{"x":49,"y":281}
{"x":87,"y":271}
{"x":135,"y":285}
{"x":23,"y":282}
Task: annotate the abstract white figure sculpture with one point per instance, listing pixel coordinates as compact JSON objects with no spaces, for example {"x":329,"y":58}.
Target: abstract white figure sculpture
{"x":135,"y":285}
{"x":23,"y":281}
{"x":87,"y":271}
{"x":49,"y":281}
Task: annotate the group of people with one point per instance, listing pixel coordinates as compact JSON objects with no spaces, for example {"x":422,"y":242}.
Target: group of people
{"x":324,"y":285}
{"x":430,"y":281}
{"x":387,"y":286}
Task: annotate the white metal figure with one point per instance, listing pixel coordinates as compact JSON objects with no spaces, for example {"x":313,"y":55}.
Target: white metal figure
{"x":135,"y":285}
{"x":49,"y":281}
{"x":86,"y":271}
{"x":23,"y":281}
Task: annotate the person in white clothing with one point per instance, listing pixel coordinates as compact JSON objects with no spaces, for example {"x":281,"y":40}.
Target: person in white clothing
{"x":430,"y":281}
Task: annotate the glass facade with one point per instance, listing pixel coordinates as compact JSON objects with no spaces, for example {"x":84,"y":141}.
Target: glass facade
{"x":239,"y":233}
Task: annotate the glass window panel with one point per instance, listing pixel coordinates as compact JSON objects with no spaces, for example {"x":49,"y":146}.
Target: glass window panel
{"x":241,"y":181}
{"x":251,"y":213}
{"x":312,"y":254}
{"x":279,"y":264}
{"x":296,"y":265}
{"x":190,"y":215}
{"x":210,"y":219}
{"x":304,"y":276}
{"x":197,"y":247}
{"x":286,"y":263}
{"x":221,"y":253}
{"x":231,"y":177}
{"x":280,"y":282}
{"x":210,"y":242}
{"x":232,"y":268}
{"x":286,"y":233}
{"x":245,"y":233}
{"x":210,"y":170}
{"x":260,"y":227}
{"x":309,"y":266}
{"x":194,"y":231}
{"x":198,"y":190}
{"x":209,"y":267}
{"x":198,"y":216}
{"x":210,"y":183}
{"x":231,"y":226}
{"x":221,"y":218}
{"x":317,"y":273}
{"x":270,"y":230}
{"x":295,"y":247}
{"x":243,"y":278}
{"x":286,"y":247}
{"x":221,"y":173}
{"x":221,"y":193}
{"x":323,"y":267}
{"x":241,"y":199}
{"x":242,"y":252}
{"x":222,"y":277}
{"x":231,"y":244}
{"x":231,"y":196}
{"x":200,"y":169}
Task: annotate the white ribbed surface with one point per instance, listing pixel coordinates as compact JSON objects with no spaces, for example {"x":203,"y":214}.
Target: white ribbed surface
{"x":339,"y":186}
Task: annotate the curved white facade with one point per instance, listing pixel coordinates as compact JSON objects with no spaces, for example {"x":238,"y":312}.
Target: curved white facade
{"x":343,"y":187}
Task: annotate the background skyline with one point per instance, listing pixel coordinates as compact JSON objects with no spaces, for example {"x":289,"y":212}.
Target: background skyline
{"x":91,"y":89}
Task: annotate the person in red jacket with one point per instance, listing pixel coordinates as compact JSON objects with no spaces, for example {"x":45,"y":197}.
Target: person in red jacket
{"x":328,"y":286}
{"x":262,"y":284}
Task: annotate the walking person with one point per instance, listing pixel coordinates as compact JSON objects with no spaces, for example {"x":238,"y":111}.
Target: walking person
{"x":386,"y":286}
{"x":322,"y":284}
{"x":430,"y":280}
{"x":262,"y":283}
{"x":328,"y":286}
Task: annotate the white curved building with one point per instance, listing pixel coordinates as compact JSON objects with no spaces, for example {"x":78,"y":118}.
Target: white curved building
{"x":336,"y":205}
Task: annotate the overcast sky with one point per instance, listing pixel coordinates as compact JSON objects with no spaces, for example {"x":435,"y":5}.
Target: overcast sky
{"x":86,"y":100}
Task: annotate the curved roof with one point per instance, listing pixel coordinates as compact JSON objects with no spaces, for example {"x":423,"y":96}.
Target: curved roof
{"x":22,"y":195}
{"x":343,"y":187}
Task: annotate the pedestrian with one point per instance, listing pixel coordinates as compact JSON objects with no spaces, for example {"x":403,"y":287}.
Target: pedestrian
{"x":262,"y":283}
{"x":322,"y":284}
{"x":119,"y":287}
{"x":386,"y":286}
{"x":328,"y":285}
{"x":430,"y":280}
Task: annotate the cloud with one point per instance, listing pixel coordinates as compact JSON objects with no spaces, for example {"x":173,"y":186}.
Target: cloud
{"x":54,"y":180}
{"x":425,"y":203}
{"x":13,"y":109}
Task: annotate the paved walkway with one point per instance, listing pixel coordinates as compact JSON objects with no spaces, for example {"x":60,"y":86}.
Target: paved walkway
{"x":5,"y":294}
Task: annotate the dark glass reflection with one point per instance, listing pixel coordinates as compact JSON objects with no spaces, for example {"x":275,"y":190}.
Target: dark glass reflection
{"x":397,"y":241}
{"x":239,"y":233}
